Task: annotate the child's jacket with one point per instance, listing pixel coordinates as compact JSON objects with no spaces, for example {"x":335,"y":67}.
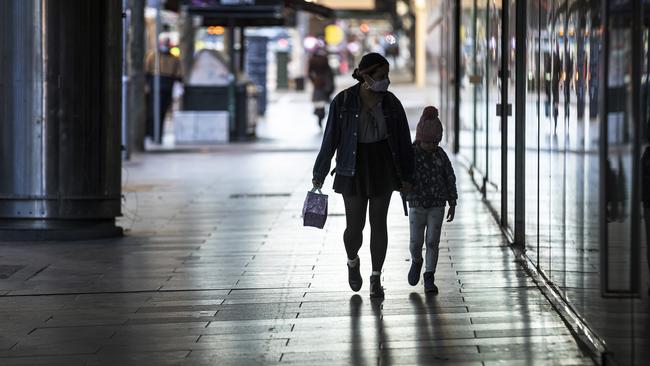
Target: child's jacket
{"x":435,"y":181}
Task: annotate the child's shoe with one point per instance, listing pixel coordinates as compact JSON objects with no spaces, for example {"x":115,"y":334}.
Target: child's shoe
{"x":376,"y":291}
{"x":429,"y":286}
{"x":414,"y":273}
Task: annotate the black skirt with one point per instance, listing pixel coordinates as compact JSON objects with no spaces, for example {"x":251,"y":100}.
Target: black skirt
{"x":375,"y":173}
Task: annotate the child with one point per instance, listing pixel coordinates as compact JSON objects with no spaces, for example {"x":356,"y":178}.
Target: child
{"x":435,"y":185}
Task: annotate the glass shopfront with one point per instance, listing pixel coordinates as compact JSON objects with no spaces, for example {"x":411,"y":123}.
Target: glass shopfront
{"x":585,"y":147}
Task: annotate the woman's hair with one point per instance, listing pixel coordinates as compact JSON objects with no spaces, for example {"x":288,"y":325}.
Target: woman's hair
{"x":369,"y":62}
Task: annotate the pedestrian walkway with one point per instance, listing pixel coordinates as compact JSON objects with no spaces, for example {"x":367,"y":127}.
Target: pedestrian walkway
{"x":216,"y":269}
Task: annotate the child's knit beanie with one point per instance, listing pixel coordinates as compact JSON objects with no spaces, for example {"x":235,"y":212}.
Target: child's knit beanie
{"x":429,"y":127}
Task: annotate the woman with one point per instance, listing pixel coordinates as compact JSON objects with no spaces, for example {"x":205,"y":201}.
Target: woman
{"x":322,"y":77}
{"x":367,"y":128}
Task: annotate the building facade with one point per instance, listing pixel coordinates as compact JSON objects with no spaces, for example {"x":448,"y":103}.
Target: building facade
{"x":547,"y":103}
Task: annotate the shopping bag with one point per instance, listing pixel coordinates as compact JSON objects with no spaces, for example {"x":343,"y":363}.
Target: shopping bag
{"x":314,"y":211}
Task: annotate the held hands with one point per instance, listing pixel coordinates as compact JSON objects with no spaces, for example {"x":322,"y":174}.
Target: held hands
{"x":316,"y":184}
{"x":451,"y":213}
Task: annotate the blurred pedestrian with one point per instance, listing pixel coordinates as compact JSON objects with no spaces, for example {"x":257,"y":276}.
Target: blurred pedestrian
{"x":434,"y":187}
{"x":170,"y":72}
{"x":368,"y":130}
{"x":555,"y":86}
{"x":322,"y":78}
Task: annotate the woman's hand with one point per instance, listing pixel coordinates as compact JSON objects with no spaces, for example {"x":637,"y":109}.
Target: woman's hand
{"x":451,"y":213}
{"x":316,"y":184}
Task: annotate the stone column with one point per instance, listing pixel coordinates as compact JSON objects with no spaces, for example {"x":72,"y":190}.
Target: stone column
{"x":135,"y":56}
{"x":186,"y":44}
{"x":60,"y":82}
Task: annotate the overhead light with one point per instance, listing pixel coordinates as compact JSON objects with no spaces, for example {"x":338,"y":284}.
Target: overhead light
{"x":401,"y":9}
{"x":310,"y":43}
{"x":216,"y":30}
{"x":283,"y":42}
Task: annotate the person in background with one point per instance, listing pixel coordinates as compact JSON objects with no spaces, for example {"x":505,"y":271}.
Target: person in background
{"x":170,"y":71}
{"x":434,"y":187}
{"x":322,"y":77}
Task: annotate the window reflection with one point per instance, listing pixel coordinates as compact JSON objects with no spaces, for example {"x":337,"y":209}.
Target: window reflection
{"x":619,"y":158}
{"x":645,"y":188}
{"x":645,"y":157}
{"x":467,"y":70}
{"x":582,"y":136}
{"x":493,"y":187}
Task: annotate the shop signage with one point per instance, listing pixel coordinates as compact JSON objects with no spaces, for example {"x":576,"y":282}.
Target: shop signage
{"x":237,"y":2}
{"x":216,"y":3}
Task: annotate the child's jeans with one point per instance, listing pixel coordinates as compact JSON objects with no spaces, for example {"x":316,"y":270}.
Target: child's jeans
{"x":431,"y":220}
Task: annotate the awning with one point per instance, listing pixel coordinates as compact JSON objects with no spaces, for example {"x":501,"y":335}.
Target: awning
{"x":252,"y":12}
{"x":310,"y":7}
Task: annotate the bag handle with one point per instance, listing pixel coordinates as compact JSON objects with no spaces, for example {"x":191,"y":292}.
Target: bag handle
{"x":313,"y":190}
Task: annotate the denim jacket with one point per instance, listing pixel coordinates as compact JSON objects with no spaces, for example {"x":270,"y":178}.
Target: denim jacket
{"x":341,"y":135}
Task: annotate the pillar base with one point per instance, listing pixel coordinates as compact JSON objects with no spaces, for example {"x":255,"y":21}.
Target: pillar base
{"x":55,"y":230}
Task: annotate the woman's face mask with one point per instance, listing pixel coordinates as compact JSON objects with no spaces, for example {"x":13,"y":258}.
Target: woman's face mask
{"x":378,"y":86}
{"x":380,"y":82}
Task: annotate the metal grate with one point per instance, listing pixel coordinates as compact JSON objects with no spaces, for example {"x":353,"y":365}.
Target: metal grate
{"x":7,"y":271}
{"x":259,"y":195}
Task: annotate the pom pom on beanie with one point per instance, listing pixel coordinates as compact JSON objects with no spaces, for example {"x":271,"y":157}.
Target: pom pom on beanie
{"x":429,"y":112}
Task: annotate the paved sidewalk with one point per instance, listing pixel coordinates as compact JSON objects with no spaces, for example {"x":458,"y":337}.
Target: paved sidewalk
{"x":216,"y":269}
